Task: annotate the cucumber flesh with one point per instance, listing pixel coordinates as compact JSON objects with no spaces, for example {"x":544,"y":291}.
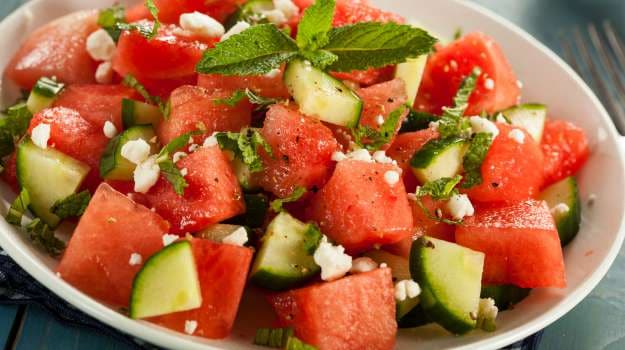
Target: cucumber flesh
{"x":43,"y":94}
{"x":247,"y":180}
{"x":414,"y":318}
{"x":405,"y":306}
{"x":250,"y":12}
{"x":565,"y":204}
{"x":450,"y":277}
{"x":439,"y":158}
{"x":167,"y":283}
{"x":505,"y":296}
{"x":282,"y":261}
{"x":531,"y":117}
{"x":113,"y":166}
{"x":218,"y":232}
{"x":321,"y":95}
{"x":400,"y":270}
{"x":411,"y":73}
{"x":139,"y":113}
{"x":48,"y":175}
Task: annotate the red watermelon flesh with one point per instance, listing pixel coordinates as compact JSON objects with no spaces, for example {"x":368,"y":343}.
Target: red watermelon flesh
{"x":193,"y":108}
{"x":164,"y":87}
{"x":511,"y":171}
{"x":138,"y":12}
{"x":170,"y":10}
{"x":56,"y":49}
{"x":404,"y":147}
{"x":112,"y":228}
{"x":565,"y":147}
{"x":73,"y":135}
{"x":263,"y":85}
{"x":302,"y":151}
{"x":352,"y":313}
{"x":367,"y":77}
{"x":97,"y":103}
{"x":213,"y":194}
{"x":521,"y":244}
{"x":358,"y":209}
{"x":222,"y":270}
{"x":450,"y":64}
{"x":167,"y":56}
{"x":9,"y":175}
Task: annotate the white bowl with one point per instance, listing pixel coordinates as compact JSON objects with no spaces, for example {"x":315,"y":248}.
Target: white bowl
{"x":546,"y":79}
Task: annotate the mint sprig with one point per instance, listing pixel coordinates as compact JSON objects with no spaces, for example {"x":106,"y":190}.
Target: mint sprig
{"x":473,"y":159}
{"x":316,"y":23}
{"x":441,"y":189}
{"x":372,"y":139}
{"x":13,"y":126}
{"x":452,"y":122}
{"x":245,"y":145}
{"x":261,"y":102}
{"x":132,"y":82}
{"x":166,"y":164}
{"x":277,"y":204}
{"x":73,"y":205}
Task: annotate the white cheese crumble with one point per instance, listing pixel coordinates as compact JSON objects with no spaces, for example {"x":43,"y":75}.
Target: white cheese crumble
{"x":136,"y":151}
{"x":460,"y":206}
{"x":40,"y":135}
{"x":519,"y":84}
{"x":237,"y":237}
{"x":135,"y":259}
{"x":489,"y":84}
{"x":100,"y":45}
{"x":287,"y":7}
{"x":210,"y":141}
{"x":238,"y":28}
{"x":202,"y":25}
{"x":193,"y":147}
{"x":146,"y":175}
{"x":382,"y":158}
{"x":379,"y":119}
{"x":479,"y":124}
{"x":104,"y":73}
{"x":273,"y":73}
{"x":276,"y":17}
{"x":177,"y":156}
{"x":501,"y":119}
{"x":190,"y":326}
{"x":184,"y":171}
{"x":487,"y":310}
{"x":434,"y":125}
{"x":517,"y":135}
{"x":332,"y":259}
{"x":560,"y":209}
{"x":406,"y":289}
{"x":363,"y":264}
{"x":338,"y":156}
{"x":361,"y":155}
{"x":391,"y":177}
{"x":169,"y":239}
{"x":383,"y":265}
{"x":109,"y":129}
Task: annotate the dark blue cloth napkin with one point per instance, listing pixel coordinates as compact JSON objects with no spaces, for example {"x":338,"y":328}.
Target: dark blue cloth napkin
{"x":18,"y":287}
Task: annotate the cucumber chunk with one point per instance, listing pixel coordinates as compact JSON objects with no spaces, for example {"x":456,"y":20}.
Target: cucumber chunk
{"x":43,"y":94}
{"x":319,"y":94}
{"x":250,"y":12}
{"x":414,"y":318}
{"x":218,"y":232}
{"x":439,"y":158}
{"x":167,"y":283}
{"x":530,"y":117}
{"x":411,"y":73}
{"x":400,"y":270}
{"x":450,"y":277}
{"x":139,"y":113}
{"x":49,"y":176}
{"x":505,"y":295}
{"x":405,"y":306}
{"x":246,"y":179}
{"x":113,"y":166}
{"x":565,"y":204}
{"x":282,"y":261}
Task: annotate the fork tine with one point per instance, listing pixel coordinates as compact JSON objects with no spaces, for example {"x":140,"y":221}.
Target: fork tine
{"x":615,"y":43}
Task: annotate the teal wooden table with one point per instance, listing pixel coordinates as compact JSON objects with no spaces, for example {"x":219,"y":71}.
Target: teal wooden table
{"x":597,"y":323}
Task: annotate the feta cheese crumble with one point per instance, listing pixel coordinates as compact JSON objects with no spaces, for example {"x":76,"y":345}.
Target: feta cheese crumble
{"x":169,"y":239}
{"x":479,"y":124}
{"x":361,"y":155}
{"x":517,"y":135}
{"x":272,"y":73}
{"x":136,"y":151}
{"x":100,"y":45}
{"x":276,"y":17}
{"x":501,"y":119}
{"x":391,"y":177}
{"x":104,"y":73}
{"x":190,"y":326}
{"x":406,"y":289}
{"x":202,"y":25}
{"x":238,"y":237}
{"x":560,"y":209}
{"x":338,"y":156}
{"x":146,"y":174}
{"x":487,"y":314}
{"x":40,"y":135}
{"x":109,"y":129}
{"x":210,"y":141}
{"x":332,"y":259}
{"x":379,"y":119}
{"x":489,"y":84}
{"x":135,"y":259}
{"x":184,"y":171}
{"x":363,"y":264}
{"x":238,"y":28}
{"x":382,"y":158}
{"x":287,"y":7}
{"x":177,"y":156}
{"x":460,"y":206}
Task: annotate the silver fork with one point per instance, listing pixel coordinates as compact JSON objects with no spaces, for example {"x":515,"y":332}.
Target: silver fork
{"x":598,"y":56}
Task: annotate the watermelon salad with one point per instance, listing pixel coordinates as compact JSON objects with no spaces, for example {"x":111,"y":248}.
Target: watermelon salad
{"x":365,"y":176}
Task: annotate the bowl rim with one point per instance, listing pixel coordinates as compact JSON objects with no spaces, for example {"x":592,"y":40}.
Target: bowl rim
{"x":170,"y":339}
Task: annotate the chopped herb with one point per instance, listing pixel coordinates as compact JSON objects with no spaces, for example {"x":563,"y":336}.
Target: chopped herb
{"x":417,"y":121}
{"x":231,"y":101}
{"x":132,"y":82}
{"x":110,"y":18}
{"x":42,"y":235}
{"x":272,"y":337}
{"x":72,"y":206}
{"x":143,"y":28}
{"x":312,"y":238}
{"x":277,"y":204}
{"x":458,"y":33}
{"x":452,"y":122}
{"x":472,"y":162}
{"x":245,"y":145}
{"x":441,"y":189}
{"x":149,"y":4}
{"x":18,"y":208}
{"x":372,"y":139}
{"x":13,"y":126}
{"x":255,"y":99}
{"x":166,"y":163}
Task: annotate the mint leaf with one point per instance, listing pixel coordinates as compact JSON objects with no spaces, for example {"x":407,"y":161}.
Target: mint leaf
{"x":231,"y":101}
{"x":149,"y":4}
{"x":373,"y":44}
{"x":109,"y":18}
{"x":132,"y":82}
{"x":72,"y":206}
{"x":255,"y":51}
{"x":472,"y":162}
{"x":452,"y":122}
{"x":173,"y":175}
{"x":440,"y":189}
{"x":417,"y":121}
{"x":41,"y":234}
{"x":312,"y":238}
{"x":176,"y":144}
{"x":372,"y":139}
{"x":18,"y":208}
{"x":277,"y":204}
{"x":273,"y":337}
{"x":245,"y":146}
{"x":255,"y":99}
{"x":320,"y":58}
{"x":316,"y":23}
{"x":13,"y":126}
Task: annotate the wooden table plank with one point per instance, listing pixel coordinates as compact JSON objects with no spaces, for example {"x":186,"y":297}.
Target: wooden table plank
{"x":7,"y":318}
